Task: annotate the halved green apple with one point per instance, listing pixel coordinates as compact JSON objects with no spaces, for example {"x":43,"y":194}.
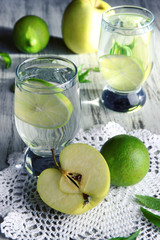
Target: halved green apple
{"x":80,"y":182}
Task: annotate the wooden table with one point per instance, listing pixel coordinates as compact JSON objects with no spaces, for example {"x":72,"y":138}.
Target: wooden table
{"x":93,"y":112}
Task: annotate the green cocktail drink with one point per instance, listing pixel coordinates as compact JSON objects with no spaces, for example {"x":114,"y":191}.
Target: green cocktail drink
{"x":126,"y":54}
{"x":47,"y":104}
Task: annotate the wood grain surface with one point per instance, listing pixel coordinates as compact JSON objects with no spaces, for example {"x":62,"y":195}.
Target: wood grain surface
{"x":93,"y":112}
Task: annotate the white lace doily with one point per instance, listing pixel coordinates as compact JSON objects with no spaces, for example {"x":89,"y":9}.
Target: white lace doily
{"x":25,"y":216}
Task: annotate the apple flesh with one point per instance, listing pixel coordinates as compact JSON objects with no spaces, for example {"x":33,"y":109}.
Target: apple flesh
{"x":81,"y":25}
{"x":80,"y":182}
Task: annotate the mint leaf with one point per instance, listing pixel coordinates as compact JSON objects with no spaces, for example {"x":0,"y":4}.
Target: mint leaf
{"x":150,"y":202}
{"x":131,"y":237}
{"x":80,"y":69}
{"x":155,"y":219}
{"x":114,"y":49}
{"x":82,"y":77}
{"x":95,"y":69}
{"x":118,"y":49}
{"x":5,"y":58}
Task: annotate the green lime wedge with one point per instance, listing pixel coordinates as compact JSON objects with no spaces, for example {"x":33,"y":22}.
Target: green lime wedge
{"x":123,"y":73}
{"x":39,"y":104}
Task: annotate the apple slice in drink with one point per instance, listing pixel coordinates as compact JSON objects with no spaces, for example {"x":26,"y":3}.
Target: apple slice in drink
{"x":42,"y":104}
{"x":80,"y":182}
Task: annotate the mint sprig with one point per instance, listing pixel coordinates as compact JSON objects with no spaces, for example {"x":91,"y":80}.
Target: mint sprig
{"x":120,"y":49}
{"x":82,"y":76}
{"x":131,"y":237}
{"x":6,"y":59}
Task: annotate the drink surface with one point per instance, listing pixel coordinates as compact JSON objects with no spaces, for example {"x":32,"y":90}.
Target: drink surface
{"x":47,"y":113}
{"x":125,"y":55}
{"x":127,"y":20}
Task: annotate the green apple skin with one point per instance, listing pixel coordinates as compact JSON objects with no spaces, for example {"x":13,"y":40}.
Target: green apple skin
{"x":58,"y":192}
{"x":81,"y":25}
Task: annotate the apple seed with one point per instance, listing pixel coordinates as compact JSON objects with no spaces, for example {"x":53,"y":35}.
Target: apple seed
{"x":72,"y":180}
{"x":86,"y":199}
{"x":76,"y":176}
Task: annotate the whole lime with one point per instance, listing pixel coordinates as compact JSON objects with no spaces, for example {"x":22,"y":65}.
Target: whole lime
{"x":127,"y":158}
{"x":30,"y":34}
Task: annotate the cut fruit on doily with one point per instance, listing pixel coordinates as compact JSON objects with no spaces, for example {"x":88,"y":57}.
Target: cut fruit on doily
{"x":27,"y":217}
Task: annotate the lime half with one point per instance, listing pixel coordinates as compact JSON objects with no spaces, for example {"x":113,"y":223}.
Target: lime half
{"x":122,"y":73}
{"x":39,"y":104}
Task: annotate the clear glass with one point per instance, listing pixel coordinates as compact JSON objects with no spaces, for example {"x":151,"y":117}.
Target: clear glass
{"x":125,"y":56}
{"x":47,"y":108}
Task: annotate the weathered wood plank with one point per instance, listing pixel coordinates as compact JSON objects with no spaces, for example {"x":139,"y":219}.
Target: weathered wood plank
{"x":93,"y":112}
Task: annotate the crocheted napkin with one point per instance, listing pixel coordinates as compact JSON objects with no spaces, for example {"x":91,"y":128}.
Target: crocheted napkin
{"x":25,"y":216}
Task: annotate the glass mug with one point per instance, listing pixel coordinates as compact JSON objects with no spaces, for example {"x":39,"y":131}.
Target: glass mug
{"x":125,"y":56}
{"x":47,"y":108}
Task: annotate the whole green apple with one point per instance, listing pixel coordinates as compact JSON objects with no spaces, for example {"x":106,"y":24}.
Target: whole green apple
{"x":81,"y":25}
